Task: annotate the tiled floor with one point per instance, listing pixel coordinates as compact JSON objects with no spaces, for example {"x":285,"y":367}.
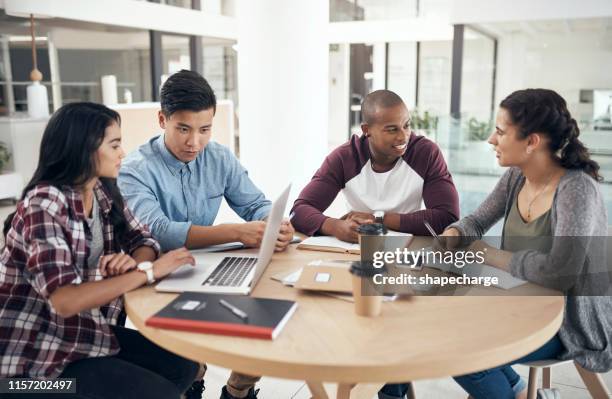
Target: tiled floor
{"x":565,"y":378}
{"x":473,"y":190}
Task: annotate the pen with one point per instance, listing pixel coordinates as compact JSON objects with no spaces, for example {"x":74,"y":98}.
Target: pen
{"x":233,"y":309}
{"x":433,"y":233}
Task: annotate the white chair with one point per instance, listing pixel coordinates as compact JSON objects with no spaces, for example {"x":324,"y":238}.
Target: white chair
{"x":593,"y":381}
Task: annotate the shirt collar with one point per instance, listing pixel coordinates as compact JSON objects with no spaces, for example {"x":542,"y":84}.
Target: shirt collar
{"x":173,"y":164}
{"x":75,"y":199}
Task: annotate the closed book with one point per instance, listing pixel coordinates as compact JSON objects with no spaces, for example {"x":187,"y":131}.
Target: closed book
{"x":236,"y":315}
{"x":329,"y":244}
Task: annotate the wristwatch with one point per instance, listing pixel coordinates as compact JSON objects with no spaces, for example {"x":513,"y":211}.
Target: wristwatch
{"x":379,"y":216}
{"x":147,"y":268}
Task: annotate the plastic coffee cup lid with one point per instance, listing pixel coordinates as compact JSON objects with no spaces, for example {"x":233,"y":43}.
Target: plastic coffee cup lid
{"x":365,"y":269}
{"x":372,"y":229}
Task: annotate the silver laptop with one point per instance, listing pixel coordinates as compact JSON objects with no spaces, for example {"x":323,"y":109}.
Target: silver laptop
{"x":223,"y":274}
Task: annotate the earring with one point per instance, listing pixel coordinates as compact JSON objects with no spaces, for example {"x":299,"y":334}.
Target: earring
{"x":528,"y":150}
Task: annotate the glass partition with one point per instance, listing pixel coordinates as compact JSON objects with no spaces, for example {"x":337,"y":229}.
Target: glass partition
{"x":85,"y":56}
{"x":370,"y":10}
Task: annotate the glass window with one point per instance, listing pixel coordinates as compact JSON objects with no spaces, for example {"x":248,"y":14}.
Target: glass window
{"x":219,"y":7}
{"x":175,"y":54}
{"x":478,"y":72}
{"x":85,"y":56}
{"x":177,"y":3}
{"x":20,"y":54}
{"x":220,"y":70}
{"x":435,"y":77}
{"x":370,"y":10}
{"x":6,"y":87}
{"x":361,"y":74}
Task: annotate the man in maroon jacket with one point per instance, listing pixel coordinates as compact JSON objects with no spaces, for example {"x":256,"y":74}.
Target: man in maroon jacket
{"x":386,"y":174}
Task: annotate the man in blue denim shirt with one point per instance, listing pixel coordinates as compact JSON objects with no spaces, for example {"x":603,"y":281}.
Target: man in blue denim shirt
{"x":175,"y":183}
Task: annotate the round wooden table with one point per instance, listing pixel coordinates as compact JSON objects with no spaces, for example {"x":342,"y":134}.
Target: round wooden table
{"x":414,"y":338}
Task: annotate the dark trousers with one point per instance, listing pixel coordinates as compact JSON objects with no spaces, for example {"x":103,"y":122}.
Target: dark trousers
{"x":140,"y":370}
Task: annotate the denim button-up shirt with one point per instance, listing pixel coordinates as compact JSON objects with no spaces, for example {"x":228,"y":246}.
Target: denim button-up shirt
{"x":169,"y":195}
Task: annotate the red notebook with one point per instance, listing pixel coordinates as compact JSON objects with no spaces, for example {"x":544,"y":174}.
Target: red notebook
{"x":236,"y":315}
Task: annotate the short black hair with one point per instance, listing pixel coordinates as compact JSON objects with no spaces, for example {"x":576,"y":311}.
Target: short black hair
{"x":186,"y":91}
{"x":378,"y":99}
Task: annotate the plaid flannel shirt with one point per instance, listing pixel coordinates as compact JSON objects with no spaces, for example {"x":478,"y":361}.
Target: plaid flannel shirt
{"x":46,"y":248}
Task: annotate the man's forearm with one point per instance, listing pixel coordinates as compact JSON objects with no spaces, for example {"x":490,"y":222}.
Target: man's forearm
{"x":328,"y":227}
{"x":204,"y":236}
{"x":392,"y":221}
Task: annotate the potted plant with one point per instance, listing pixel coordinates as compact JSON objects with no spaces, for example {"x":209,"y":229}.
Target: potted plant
{"x":10,"y":182}
{"x":477,"y":133}
{"x":425,"y":123}
{"x":5,"y":156}
{"x":478,"y":130}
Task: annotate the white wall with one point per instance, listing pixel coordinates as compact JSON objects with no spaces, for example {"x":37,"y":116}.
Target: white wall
{"x":397,"y":30}
{"x":379,"y":54}
{"x":283,"y":89}
{"x":338,"y":94}
{"x":132,"y":14}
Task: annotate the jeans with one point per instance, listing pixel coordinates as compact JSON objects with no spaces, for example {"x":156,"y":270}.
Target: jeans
{"x":493,"y":383}
{"x":141,"y":369}
{"x":499,"y":381}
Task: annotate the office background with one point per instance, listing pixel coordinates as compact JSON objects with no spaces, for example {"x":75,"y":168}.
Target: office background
{"x":293,"y":73}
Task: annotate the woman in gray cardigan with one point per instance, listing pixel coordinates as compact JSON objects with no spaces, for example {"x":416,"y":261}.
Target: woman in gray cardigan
{"x":550,"y":191}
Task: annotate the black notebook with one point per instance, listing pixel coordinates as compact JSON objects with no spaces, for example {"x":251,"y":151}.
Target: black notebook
{"x":237,"y":315}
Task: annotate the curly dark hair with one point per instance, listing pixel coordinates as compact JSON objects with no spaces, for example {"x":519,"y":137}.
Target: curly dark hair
{"x":545,"y":111}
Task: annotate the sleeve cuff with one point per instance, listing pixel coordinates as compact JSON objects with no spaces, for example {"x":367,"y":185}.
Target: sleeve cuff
{"x":516,"y":265}
{"x":175,"y":236}
{"x":262,"y":212}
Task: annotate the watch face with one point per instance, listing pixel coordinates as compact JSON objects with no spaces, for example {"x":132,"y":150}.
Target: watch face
{"x":145,"y":266}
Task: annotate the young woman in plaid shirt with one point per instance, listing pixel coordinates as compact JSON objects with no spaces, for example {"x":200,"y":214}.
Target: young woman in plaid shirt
{"x":72,"y":247}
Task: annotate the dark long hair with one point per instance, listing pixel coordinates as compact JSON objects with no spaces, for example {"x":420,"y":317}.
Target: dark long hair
{"x":545,"y":111}
{"x":67,"y":156}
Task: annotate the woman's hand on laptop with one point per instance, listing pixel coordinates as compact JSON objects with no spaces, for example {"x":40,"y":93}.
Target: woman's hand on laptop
{"x":285,"y":235}
{"x":171,"y":261}
{"x":251,"y":233}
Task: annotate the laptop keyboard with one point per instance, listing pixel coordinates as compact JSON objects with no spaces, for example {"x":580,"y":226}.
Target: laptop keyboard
{"x":231,"y":272}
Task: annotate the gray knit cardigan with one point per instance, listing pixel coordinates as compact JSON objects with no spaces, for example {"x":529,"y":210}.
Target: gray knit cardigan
{"x":579,"y":226}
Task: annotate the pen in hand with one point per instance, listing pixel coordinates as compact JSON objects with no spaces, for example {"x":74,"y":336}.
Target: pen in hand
{"x":236,"y":311}
{"x":433,"y":233}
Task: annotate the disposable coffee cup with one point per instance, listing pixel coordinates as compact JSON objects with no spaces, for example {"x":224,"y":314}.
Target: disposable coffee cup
{"x":367,"y":302}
